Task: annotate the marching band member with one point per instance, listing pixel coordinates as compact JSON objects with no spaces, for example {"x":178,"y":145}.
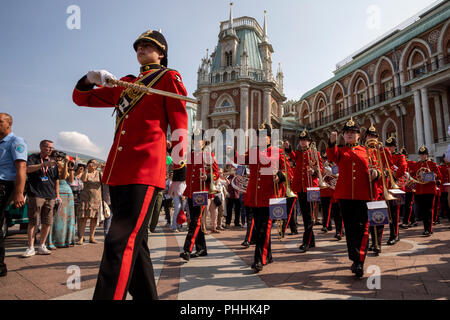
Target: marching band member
{"x":444,"y":169}
{"x":198,"y":178}
{"x":409,"y":217}
{"x":261,"y":188}
{"x":305,"y":176}
{"x":426,"y":190}
{"x":372,"y":133}
{"x":353,"y":189}
{"x":400,"y":166}
{"x":330,"y":206}
{"x":136,"y":165}
{"x":291,"y":220}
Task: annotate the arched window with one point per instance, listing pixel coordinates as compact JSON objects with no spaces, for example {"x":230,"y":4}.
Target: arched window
{"x":228,"y":59}
{"x":417,"y":63}
{"x":225,"y":77}
{"x":217,"y":78}
{"x":233,"y":75}
{"x":361,"y":94}
{"x":340,"y":105}
{"x":387,"y":86}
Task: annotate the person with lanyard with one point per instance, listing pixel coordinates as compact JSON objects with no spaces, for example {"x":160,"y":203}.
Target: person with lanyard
{"x":43,"y":194}
{"x":409,"y":217}
{"x":426,"y":189}
{"x":136,"y":165}
{"x":267,"y":164}
{"x":198,"y":178}
{"x":399,"y":166}
{"x":376,"y":232}
{"x":13,"y":174}
{"x":330,"y":206}
{"x":353,"y":190}
{"x":306,"y":176}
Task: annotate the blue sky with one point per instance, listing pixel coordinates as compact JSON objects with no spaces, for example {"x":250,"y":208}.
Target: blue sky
{"x":41,"y":59}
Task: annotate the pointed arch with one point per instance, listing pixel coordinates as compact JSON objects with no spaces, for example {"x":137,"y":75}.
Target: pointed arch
{"x":440,"y":48}
{"x":405,"y":54}
{"x":384,"y":130}
{"x":223,"y":98}
{"x":360,"y":73}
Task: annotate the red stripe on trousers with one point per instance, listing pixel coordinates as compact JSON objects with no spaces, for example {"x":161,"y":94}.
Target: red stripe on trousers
{"x":129,"y":249}
{"x":329,"y":213}
{"x":398,"y":217}
{"x":290,"y":214}
{"x":199,"y":223}
{"x":251,"y":230}
{"x":362,"y":250}
{"x":432,"y":213}
{"x":266,"y":243}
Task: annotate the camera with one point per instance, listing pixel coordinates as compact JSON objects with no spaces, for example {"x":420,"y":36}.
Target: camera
{"x":71,"y":164}
{"x":59,"y":155}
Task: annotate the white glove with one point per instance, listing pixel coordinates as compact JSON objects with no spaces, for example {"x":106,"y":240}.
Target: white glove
{"x":177,"y":188}
{"x":100,"y":78}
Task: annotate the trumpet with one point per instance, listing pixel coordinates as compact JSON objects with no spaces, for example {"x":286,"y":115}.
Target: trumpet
{"x":289,"y":192}
{"x":212,"y":186}
{"x":322,"y":183}
{"x":375,"y":144}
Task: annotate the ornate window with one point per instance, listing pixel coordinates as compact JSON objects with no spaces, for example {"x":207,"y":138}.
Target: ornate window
{"x":228,"y":59}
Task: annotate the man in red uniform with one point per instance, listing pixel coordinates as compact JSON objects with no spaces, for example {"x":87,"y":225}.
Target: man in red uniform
{"x":399,"y":167}
{"x":265,"y":174}
{"x":409,"y":217}
{"x":136,"y":165}
{"x":305,"y":176}
{"x":426,"y":190}
{"x":353,"y":190}
{"x":198,"y":178}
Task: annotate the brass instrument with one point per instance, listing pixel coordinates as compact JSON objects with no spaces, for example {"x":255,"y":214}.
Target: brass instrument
{"x":391,"y":178}
{"x":406,"y":180}
{"x":322,"y":184}
{"x":212,"y":186}
{"x":419,"y":175}
{"x":374,"y":143}
{"x":329,"y":178}
{"x":289,"y":192}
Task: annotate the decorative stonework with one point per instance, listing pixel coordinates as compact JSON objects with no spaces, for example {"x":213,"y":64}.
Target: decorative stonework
{"x":235,"y":92}
{"x":433,"y":37}
{"x":372,"y":68}
{"x":214,"y":95}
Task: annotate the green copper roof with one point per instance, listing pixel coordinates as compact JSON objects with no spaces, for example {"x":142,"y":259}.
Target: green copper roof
{"x":251,"y":42}
{"x":397,"y":40}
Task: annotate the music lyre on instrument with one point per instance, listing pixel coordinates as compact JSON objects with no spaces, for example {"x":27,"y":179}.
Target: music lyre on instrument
{"x":142,"y":88}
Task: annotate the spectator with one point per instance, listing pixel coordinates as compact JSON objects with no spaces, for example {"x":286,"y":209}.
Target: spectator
{"x":13,"y":168}
{"x":91,"y":201}
{"x":176,"y":190}
{"x":106,"y":198}
{"x":167,"y":200}
{"x":217,"y":204}
{"x":76,"y":184}
{"x":62,"y":232}
{"x":43,"y":193}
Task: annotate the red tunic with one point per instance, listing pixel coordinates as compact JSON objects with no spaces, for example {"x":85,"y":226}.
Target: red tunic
{"x":353,"y":181}
{"x":138,"y":153}
{"x":261,"y":186}
{"x":194,"y":170}
{"x":302,"y":180}
{"x":429,"y":187}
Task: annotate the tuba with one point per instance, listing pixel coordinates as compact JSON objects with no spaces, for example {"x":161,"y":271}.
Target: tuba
{"x":406,"y":180}
{"x":329,"y":178}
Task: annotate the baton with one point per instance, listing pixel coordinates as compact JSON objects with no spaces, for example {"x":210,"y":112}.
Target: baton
{"x":147,"y":90}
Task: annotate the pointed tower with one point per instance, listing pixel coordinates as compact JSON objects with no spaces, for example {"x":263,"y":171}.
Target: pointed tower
{"x":266,"y":50}
{"x":280,"y":78}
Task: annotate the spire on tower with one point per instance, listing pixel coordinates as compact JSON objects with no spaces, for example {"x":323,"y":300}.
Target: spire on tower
{"x":265,"y":37}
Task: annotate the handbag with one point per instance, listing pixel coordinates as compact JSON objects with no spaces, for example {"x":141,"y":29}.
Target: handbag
{"x":217,"y":201}
{"x":181,"y":217}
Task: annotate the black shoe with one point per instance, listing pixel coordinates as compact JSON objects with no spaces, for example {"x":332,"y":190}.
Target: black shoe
{"x":359,"y":270}
{"x":426,"y":233}
{"x":245,"y":244}
{"x":353,"y":267}
{"x":252,"y":242}
{"x":324,"y":229}
{"x":377,"y":250}
{"x":391,"y":242}
{"x":293,"y":232}
{"x":269,"y":260}
{"x":257,"y":267}
{"x":185,"y":255}
{"x":4,"y":272}
{"x":415,"y":224}
{"x":303,"y":248}
{"x":371,"y":248}
{"x":201,"y":253}
{"x":330,"y":228}
{"x":404,"y":226}
{"x":338,"y":237}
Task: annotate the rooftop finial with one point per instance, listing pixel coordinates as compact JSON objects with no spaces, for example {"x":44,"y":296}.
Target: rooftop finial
{"x":265,"y":27}
{"x":231,"y":15}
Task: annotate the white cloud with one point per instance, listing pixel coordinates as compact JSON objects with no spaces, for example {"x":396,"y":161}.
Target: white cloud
{"x":77,"y":142}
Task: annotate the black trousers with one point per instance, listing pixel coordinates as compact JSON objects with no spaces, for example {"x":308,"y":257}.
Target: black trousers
{"x":307,"y":210}
{"x":425,"y":203}
{"x":408,"y":211}
{"x":395,"y":217}
{"x":6,"y":188}
{"x":166,"y":203}
{"x":444,"y":209}
{"x":263,"y":226}
{"x":236,"y":204}
{"x":126,"y":264}
{"x":379,"y":234}
{"x":195,"y":235}
{"x":250,"y":235}
{"x":356,"y":224}
{"x":331,"y":210}
{"x":291,"y":221}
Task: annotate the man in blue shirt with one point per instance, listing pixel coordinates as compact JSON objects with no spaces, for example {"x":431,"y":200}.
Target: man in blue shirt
{"x":13,"y":168}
